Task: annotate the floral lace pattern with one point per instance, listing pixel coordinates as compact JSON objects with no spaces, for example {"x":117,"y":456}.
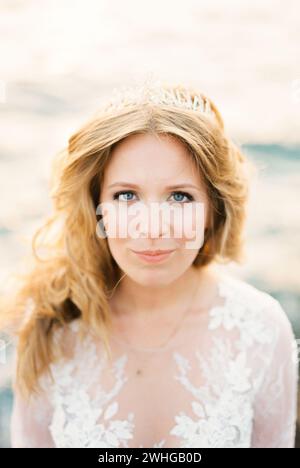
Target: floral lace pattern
{"x":247,"y":396}
{"x":76,"y":415}
{"x":225,"y":420}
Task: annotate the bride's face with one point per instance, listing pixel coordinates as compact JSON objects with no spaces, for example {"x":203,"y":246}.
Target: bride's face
{"x":152,"y":198}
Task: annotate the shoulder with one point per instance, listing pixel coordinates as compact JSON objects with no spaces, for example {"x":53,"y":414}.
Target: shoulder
{"x":242,"y":291}
{"x":257,"y":304}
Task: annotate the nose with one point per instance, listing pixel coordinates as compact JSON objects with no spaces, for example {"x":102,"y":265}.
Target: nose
{"x":154,"y":221}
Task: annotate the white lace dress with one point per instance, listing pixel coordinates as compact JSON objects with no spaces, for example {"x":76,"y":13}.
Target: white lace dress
{"x":228,"y":380}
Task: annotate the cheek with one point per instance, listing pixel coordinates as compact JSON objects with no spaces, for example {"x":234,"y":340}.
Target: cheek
{"x":189,"y":226}
{"x":118,"y":250}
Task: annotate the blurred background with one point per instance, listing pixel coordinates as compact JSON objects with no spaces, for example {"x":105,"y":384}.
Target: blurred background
{"x":59,"y":59}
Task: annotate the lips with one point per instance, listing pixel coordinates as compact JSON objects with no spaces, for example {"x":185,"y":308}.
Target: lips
{"x":154,"y":256}
{"x":153,"y":252}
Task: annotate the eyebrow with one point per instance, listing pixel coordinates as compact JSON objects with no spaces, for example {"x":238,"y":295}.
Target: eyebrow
{"x":169,"y":187}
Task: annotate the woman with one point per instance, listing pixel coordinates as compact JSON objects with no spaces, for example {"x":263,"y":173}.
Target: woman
{"x":123,"y":345}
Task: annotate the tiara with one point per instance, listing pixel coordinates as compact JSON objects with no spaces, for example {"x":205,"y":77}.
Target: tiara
{"x":156,"y":93}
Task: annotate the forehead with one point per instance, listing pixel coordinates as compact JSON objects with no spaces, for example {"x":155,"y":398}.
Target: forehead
{"x":158,"y":159}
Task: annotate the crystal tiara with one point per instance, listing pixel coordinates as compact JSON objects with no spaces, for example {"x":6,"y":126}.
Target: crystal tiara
{"x":156,"y":93}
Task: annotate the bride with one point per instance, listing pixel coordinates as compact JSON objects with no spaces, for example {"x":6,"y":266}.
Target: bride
{"x":128,"y":331}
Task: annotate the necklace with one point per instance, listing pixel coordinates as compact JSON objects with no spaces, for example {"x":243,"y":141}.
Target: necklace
{"x":163,"y":346}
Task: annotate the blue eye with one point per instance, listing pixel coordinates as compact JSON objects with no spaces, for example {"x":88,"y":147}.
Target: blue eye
{"x":124,"y":192}
{"x":183,"y":194}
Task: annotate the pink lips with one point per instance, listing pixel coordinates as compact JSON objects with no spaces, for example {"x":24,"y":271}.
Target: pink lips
{"x":154,"y":256}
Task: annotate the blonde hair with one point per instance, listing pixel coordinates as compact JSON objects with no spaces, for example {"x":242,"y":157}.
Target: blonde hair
{"x":76,"y":273}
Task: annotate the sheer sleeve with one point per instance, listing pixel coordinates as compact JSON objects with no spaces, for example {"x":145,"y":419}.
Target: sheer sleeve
{"x":275,"y":406}
{"x":29,"y":423}
{"x":29,"y":426}
{"x":31,"y":418}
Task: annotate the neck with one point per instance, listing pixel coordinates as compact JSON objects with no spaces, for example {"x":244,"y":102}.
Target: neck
{"x":132,"y":299}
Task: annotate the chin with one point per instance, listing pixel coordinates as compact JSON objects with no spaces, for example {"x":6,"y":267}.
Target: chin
{"x":154,"y":278}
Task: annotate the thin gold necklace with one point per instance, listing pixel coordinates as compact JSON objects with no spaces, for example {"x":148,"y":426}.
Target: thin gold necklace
{"x":166,"y":342}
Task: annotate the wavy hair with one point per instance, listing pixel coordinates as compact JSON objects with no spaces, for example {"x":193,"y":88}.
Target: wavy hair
{"x":72,"y":272}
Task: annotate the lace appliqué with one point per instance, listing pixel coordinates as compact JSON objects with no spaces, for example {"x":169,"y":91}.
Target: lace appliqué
{"x":223,"y":408}
{"x":76,"y":414}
